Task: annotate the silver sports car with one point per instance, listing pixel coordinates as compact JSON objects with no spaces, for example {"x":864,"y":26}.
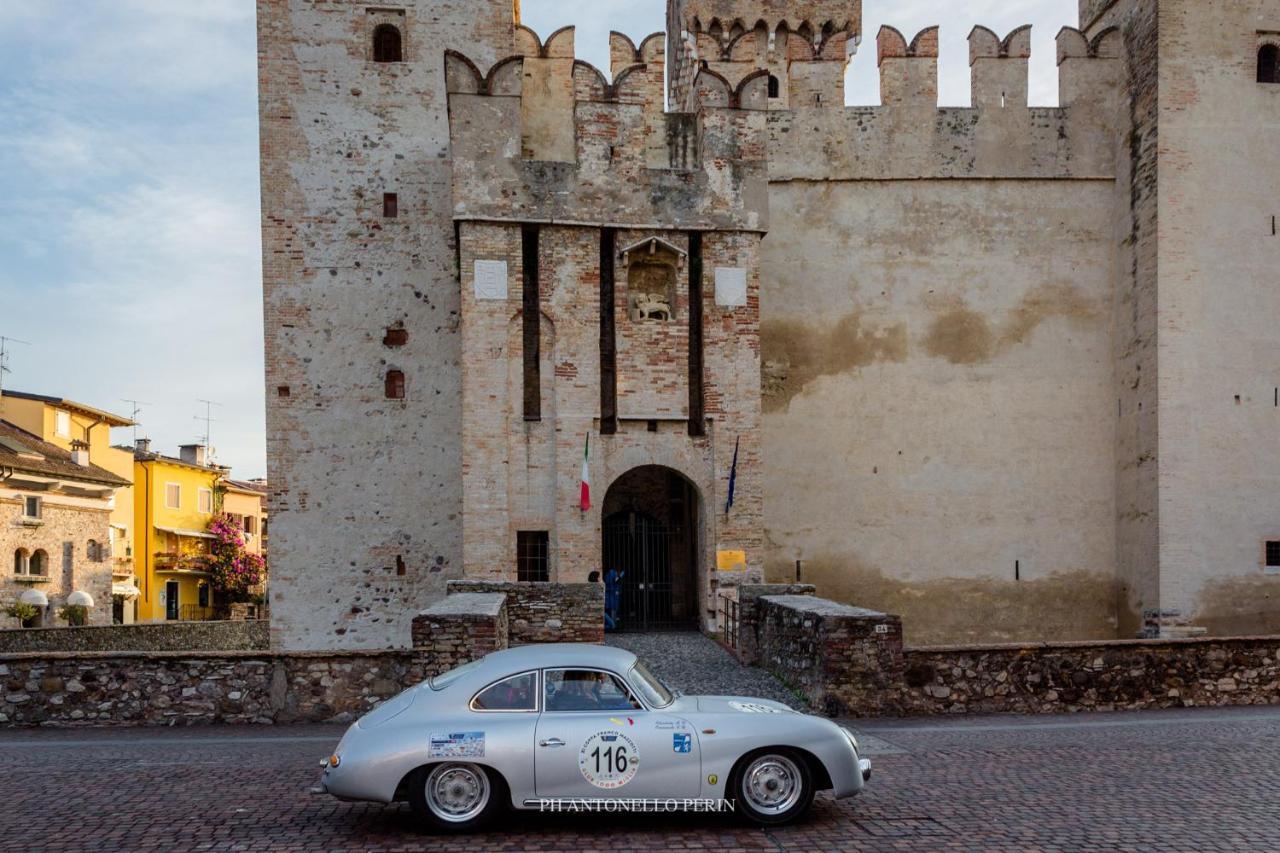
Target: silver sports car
{"x":574,"y":727}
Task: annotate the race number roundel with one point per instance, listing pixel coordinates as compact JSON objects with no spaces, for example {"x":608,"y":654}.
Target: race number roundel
{"x":609,"y":759}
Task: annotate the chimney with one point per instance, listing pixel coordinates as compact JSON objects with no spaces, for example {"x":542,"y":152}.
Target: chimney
{"x":193,"y":454}
{"x":142,"y":445}
{"x":80,"y":457}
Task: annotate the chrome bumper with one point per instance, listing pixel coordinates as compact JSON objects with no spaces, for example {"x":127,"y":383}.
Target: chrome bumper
{"x":864,"y":764}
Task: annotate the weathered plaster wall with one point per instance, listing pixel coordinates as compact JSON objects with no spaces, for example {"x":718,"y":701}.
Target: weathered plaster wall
{"x":365,"y":491}
{"x":937,"y":375}
{"x":1218,"y":252}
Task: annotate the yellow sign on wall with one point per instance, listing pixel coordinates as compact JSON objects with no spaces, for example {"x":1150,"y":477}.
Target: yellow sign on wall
{"x":731,"y":561}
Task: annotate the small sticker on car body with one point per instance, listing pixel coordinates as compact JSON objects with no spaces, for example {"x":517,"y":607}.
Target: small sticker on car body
{"x":682,"y":743}
{"x":457,"y":745}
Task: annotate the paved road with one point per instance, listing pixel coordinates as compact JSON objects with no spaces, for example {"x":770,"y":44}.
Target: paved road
{"x":1185,"y":780}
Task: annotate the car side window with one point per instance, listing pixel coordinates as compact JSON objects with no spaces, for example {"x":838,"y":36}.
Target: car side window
{"x":587,"y":690}
{"x":517,"y":693}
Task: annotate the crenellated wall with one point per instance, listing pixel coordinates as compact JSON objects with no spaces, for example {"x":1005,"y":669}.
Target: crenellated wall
{"x":549,"y":149}
{"x":1002,"y":369}
{"x":936,"y":318}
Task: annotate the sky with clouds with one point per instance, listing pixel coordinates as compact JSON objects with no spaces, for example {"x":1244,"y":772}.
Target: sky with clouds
{"x":129,"y":243}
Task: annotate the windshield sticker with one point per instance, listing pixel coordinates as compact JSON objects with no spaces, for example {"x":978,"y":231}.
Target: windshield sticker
{"x":608,"y":759}
{"x":752,"y":708}
{"x":457,"y":745}
{"x":682,"y":743}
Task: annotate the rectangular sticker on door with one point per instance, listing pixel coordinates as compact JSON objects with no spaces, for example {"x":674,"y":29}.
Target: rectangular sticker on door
{"x":457,"y":745}
{"x":682,"y":742}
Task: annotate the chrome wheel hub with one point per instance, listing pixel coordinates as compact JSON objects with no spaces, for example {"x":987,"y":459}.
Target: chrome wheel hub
{"x":457,"y":792}
{"x":772,"y":784}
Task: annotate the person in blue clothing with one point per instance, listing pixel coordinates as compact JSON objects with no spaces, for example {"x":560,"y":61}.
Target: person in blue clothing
{"x":612,"y":598}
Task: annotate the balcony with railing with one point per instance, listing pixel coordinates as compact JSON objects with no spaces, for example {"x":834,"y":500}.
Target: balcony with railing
{"x":195,"y":613}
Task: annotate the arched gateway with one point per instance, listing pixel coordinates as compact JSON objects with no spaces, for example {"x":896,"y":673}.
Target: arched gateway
{"x":650,"y":545}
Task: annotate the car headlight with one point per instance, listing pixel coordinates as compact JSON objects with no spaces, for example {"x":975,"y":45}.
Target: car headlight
{"x":853,"y":740}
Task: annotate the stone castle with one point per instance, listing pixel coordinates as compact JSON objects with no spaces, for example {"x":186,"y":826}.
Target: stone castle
{"x":1003,"y":370}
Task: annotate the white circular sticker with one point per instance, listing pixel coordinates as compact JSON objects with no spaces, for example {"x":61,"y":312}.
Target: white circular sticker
{"x":608,"y":759}
{"x":752,"y":708}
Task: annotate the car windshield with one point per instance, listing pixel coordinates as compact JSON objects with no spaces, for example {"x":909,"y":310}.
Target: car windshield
{"x":442,"y":681}
{"x":653,"y":690}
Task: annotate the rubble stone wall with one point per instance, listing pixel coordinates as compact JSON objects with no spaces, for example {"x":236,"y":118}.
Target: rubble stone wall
{"x":846,"y":661}
{"x":545,"y":612}
{"x":161,"y":637}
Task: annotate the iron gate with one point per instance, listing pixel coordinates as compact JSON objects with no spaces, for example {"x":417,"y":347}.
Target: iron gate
{"x":649,"y":597}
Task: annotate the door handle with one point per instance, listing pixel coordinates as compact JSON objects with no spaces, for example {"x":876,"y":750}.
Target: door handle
{"x":555,"y":741}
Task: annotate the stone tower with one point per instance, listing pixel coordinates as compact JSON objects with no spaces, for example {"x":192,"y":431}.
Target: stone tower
{"x":362,"y":310}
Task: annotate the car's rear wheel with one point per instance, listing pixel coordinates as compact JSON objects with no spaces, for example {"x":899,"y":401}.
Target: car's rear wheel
{"x":456,"y":797}
{"x":772,"y":786}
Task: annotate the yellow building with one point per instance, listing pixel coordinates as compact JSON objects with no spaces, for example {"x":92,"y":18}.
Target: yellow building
{"x":175,"y":498}
{"x":246,"y":500}
{"x":76,"y":427}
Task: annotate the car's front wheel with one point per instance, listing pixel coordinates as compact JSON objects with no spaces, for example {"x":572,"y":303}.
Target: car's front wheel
{"x":456,"y":797}
{"x":772,"y":786}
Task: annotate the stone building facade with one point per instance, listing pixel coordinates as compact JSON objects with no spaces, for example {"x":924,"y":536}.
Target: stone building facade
{"x":1001,"y":369}
{"x":55,"y":529}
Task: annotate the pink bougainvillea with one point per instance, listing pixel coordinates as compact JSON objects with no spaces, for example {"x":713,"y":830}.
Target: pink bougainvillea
{"x":235,"y":571}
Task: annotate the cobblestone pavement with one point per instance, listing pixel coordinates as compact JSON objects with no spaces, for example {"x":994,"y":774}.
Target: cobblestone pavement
{"x":1184,"y":780}
{"x":695,"y":664}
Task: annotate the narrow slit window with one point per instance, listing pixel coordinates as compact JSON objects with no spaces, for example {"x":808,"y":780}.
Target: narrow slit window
{"x":390,"y":205}
{"x":532,"y":326}
{"x":387,"y":44}
{"x":1269,"y":64}
{"x":1273,"y":554}
{"x":775,"y":88}
{"x":395,"y":385}
{"x":533,"y":563}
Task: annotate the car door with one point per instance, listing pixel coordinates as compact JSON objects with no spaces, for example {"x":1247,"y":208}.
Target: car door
{"x":594,"y":740}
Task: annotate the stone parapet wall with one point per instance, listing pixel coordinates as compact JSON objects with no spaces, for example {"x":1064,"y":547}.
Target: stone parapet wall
{"x":174,"y":688}
{"x":461,"y":628}
{"x":847,"y":661}
{"x":749,"y":596}
{"x":546,"y":612}
{"x":844,"y":660}
{"x":1110,"y":676}
{"x":160,"y":637}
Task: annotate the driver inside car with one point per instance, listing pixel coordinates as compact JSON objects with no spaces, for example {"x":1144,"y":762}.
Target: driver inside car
{"x":588,"y":691}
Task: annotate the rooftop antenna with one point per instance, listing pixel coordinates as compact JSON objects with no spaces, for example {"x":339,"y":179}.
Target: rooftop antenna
{"x":208,"y":419}
{"x":137,"y":408}
{"x":4,"y":362}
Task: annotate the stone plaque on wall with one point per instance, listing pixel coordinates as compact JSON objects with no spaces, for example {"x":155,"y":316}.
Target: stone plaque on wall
{"x":731,"y":287}
{"x":491,"y":280}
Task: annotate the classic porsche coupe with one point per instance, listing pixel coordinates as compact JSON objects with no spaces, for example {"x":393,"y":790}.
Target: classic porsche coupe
{"x":589,"y":726}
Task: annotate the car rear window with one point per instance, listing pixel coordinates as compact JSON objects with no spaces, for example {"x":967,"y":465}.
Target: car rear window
{"x":442,"y":681}
{"x":517,"y":693}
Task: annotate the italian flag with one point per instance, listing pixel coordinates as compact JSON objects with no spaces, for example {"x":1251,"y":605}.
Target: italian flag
{"x":584,"y":501}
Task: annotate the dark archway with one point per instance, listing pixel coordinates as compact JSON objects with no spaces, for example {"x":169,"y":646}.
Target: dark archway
{"x":651,"y":539}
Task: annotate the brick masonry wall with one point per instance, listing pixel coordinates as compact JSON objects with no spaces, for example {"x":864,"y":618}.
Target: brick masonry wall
{"x":546,"y":612}
{"x":165,"y":637}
